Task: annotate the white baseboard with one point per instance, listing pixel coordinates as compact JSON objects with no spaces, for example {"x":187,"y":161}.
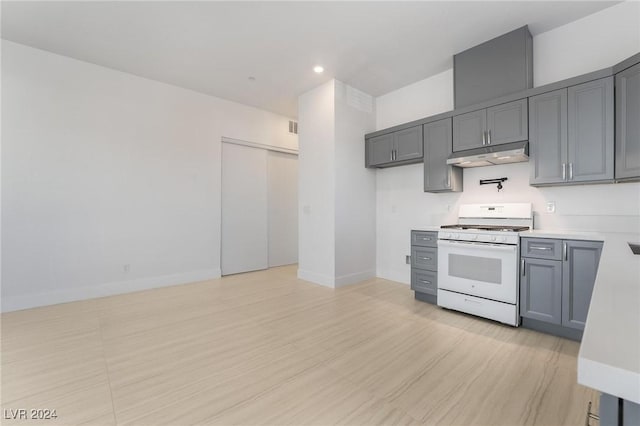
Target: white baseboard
{"x":15,"y":303}
{"x":335,"y":282}
{"x":314,"y":277}
{"x":354,"y":278}
{"x":393,"y":275}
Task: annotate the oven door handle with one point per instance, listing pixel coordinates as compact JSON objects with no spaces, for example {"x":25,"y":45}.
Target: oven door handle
{"x":476,"y":245}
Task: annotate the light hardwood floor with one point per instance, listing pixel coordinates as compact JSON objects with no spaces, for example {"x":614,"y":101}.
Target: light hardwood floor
{"x":266,"y":348}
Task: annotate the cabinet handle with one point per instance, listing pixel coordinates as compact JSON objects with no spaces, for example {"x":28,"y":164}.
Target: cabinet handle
{"x":524,"y":271}
{"x":391,"y":155}
{"x":564,"y":171}
{"x":425,"y":282}
{"x":591,"y":416}
{"x":484,"y":138}
{"x":570,"y":171}
{"x":564,"y":251}
{"x":488,"y":137}
{"x":540,"y":248}
{"x":448,"y":178}
{"x":426,"y":239}
{"x":425,"y":258}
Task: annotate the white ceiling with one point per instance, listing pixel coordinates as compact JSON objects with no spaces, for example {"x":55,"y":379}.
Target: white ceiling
{"x":213,"y":47}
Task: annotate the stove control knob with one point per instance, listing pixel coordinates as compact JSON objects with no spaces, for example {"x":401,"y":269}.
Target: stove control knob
{"x":474,"y":237}
{"x":447,"y":235}
{"x":456,"y":236}
{"x":503,"y":239}
{"x":493,"y":238}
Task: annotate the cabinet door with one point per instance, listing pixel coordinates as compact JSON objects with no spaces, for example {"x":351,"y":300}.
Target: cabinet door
{"x":541,"y":290}
{"x":438,"y":176}
{"x":507,"y":123}
{"x":379,"y":149}
{"x":408,"y":144}
{"x":424,"y":281}
{"x":579,"y":270}
{"x":468,"y":130}
{"x":590,"y":111}
{"x":548,"y":137}
{"x":627,"y":123}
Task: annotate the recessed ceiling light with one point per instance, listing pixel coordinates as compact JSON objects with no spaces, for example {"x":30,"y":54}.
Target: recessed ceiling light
{"x":318,"y":69}
{"x":252,"y":78}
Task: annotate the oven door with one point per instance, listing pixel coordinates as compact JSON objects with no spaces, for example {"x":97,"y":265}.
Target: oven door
{"x":479,"y":269}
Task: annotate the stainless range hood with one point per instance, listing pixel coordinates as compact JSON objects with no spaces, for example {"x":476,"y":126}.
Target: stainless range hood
{"x":514,"y":152}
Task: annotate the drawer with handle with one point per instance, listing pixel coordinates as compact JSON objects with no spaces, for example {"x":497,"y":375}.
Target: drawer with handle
{"x":424,"y":238}
{"x":424,"y":258}
{"x":424,"y":281}
{"x":541,"y":248}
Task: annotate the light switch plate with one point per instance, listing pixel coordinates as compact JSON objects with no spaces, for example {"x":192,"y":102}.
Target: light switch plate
{"x":551,"y":207}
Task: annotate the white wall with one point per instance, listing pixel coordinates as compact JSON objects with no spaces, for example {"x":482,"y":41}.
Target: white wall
{"x":592,"y":43}
{"x":102,"y":169}
{"x":355,"y":187}
{"x":316,"y":180}
{"x":336,"y":193}
{"x":427,"y":97}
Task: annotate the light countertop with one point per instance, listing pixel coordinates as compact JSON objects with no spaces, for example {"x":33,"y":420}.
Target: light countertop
{"x":609,"y":358}
{"x":560,"y":234}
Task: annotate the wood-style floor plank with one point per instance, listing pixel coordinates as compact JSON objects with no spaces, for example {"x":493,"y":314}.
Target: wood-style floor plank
{"x":267,"y":348}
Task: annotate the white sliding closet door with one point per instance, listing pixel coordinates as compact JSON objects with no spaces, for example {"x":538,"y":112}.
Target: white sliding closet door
{"x":283,"y":208}
{"x":244,"y":209}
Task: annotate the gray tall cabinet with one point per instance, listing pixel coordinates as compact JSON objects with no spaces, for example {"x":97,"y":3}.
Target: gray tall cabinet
{"x":571,"y":134}
{"x":438,"y":175}
{"x":628,"y":123}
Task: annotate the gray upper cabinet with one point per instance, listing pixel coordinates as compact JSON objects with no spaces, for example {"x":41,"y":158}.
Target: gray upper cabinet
{"x":380,"y":150}
{"x":494,"y":68}
{"x":541,"y":290}
{"x":590,"y":125}
{"x":628,"y":124}
{"x":438,"y":176}
{"x":491,"y":126}
{"x":578,"y":277}
{"x":469,"y":130}
{"x":548,"y":137}
{"x":408,"y":144}
{"x":401,"y":147}
{"x":571,"y":134}
{"x":507,"y":123}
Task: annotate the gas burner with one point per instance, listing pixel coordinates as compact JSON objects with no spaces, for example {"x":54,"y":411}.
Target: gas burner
{"x":502,"y":228}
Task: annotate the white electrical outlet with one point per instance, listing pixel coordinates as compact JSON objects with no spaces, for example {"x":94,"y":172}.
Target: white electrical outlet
{"x":551,"y":207}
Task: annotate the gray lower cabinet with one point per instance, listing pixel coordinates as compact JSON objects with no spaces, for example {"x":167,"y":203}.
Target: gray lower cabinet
{"x":556,"y":280}
{"x":541,"y":290}
{"x":396,"y":148}
{"x":614,"y":411}
{"x":424,"y":265}
{"x":628,"y":124}
{"x":438,"y":175}
{"x":496,"y":125}
{"x":579,"y":270}
{"x":571,"y":134}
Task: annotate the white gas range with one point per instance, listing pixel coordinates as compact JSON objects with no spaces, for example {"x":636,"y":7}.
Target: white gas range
{"x":478,"y":260}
